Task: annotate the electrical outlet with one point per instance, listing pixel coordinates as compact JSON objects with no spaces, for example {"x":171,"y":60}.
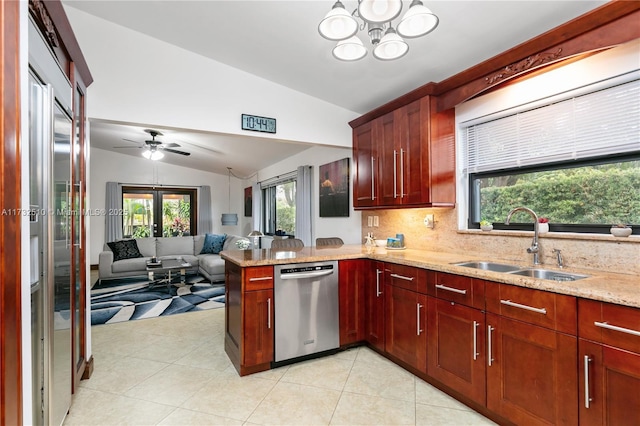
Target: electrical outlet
{"x":376,"y":222}
{"x":369,"y":221}
{"x":428,"y":221}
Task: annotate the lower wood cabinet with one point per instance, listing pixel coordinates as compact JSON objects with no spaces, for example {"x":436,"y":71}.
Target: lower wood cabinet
{"x":456,"y":353}
{"x":353,"y":276}
{"x":406,"y":326}
{"x":249,"y":319}
{"x":374,"y":310}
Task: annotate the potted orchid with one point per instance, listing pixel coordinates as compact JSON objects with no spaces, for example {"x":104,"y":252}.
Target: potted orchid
{"x":543,"y":225}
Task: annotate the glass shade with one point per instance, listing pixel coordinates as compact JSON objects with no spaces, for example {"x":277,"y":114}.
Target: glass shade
{"x":229,"y":219}
{"x":351,"y":49}
{"x":390,"y":47}
{"x":152,"y":155}
{"x":379,"y":11}
{"x":338,"y":24}
{"x":418,"y":21}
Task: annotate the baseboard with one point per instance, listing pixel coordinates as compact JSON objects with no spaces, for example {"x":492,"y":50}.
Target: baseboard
{"x":94,"y":267}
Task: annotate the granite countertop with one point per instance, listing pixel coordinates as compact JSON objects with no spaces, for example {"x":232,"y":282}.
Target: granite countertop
{"x":622,"y":289}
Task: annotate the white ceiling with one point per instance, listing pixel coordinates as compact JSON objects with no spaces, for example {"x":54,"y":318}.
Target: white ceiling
{"x":279,"y":41}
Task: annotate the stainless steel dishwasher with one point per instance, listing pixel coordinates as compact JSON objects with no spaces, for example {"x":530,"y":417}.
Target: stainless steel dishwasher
{"x":306,"y":309}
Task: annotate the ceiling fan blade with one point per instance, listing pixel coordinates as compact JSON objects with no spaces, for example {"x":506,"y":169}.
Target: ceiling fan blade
{"x":171,"y":145}
{"x":129,"y":147}
{"x":175,"y":151}
{"x":129,"y":140}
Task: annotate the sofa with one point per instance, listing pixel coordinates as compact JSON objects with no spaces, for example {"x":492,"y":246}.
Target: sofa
{"x":210,"y":265}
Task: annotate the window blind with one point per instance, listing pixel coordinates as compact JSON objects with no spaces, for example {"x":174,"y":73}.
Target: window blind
{"x":598,"y":123}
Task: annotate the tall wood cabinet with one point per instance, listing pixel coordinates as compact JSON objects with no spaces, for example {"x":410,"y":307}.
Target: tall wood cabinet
{"x":405,"y":158}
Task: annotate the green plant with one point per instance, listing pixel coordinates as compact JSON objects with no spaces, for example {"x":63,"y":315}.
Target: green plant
{"x":485,"y":222}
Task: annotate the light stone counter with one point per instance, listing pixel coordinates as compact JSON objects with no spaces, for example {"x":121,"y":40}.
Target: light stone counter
{"x":618,"y":288}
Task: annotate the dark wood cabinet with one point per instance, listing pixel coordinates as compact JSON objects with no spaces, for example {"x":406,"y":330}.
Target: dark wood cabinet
{"x":365,"y":168}
{"x":374,"y":310}
{"x":406,"y":326}
{"x":353,"y":275}
{"x":249,"y":317}
{"x":609,"y":363}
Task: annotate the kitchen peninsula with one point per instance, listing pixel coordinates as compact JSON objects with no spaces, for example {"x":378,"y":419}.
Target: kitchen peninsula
{"x":515,"y":348}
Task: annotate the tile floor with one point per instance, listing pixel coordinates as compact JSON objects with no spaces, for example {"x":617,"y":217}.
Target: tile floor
{"x":174,"y":371}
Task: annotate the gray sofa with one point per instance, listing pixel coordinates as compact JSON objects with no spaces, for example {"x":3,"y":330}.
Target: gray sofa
{"x":211,"y":266}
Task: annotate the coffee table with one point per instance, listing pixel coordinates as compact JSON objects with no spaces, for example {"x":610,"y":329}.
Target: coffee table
{"x":170,"y":269}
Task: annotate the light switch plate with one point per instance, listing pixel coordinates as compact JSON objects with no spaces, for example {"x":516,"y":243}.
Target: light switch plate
{"x":428,"y":221}
{"x":369,"y":221}
{"x":376,"y":221}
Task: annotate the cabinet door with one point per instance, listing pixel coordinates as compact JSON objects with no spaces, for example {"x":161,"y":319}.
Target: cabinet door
{"x":233,"y":311}
{"x":406,"y":331}
{"x":412,"y":123}
{"x":352,"y":278}
{"x":374,"y":294}
{"x":456,"y":355}
{"x":609,"y":383}
{"x":257,"y":346}
{"x":365,"y":175}
{"x":531,"y":373}
{"x":388,"y":151}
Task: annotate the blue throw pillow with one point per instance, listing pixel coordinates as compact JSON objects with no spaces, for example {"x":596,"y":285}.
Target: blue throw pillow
{"x":213,"y":243}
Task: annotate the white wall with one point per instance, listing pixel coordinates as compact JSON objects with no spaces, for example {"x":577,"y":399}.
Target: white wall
{"x":108,"y":166}
{"x":139,"y":79}
{"x":348,"y":228}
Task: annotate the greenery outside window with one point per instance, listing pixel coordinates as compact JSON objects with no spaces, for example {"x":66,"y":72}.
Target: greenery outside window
{"x":279,"y":205}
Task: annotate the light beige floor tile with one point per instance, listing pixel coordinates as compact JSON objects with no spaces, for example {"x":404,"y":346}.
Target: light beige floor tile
{"x":329,"y":372}
{"x":172,"y":348}
{"x":92,"y":407}
{"x":429,"y":395}
{"x":210,"y":355}
{"x":172,"y":385}
{"x":182,"y":417}
{"x":440,"y":416}
{"x":273,"y":374}
{"x":349,"y":354}
{"x":294,"y":404}
{"x":356,"y":409}
{"x":229,"y":396}
{"x":117,"y":374}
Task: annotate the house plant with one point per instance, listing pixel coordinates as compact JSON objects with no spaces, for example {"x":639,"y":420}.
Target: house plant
{"x":620,"y":230}
{"x":543,"y":225}
{"x":486,"y":225}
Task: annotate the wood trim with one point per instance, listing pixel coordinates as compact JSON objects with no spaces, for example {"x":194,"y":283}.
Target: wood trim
{"x":10,"y":226}
{"x":611,"y":24}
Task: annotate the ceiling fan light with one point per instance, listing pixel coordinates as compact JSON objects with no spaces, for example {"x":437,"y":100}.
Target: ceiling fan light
{"x":351,"y":49}
{"x":379,"y":11}
{"x":146,"y":154}
{"x":418,"y":21}
{"x":156,"y":155}
{"x":338,"y":24}
{"x":391,"y":47}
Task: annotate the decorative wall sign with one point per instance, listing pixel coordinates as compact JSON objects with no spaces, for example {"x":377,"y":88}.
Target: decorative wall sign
{"x":248,"y":202}
{"x":334,"y":189}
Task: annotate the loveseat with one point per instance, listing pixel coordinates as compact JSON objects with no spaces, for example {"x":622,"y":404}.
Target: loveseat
{"x":137,"y":252}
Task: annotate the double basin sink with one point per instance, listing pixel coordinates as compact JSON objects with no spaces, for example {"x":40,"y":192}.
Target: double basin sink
{"x":543,"y":274}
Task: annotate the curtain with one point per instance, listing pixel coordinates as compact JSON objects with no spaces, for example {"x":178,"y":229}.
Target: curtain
{"x":303,"y":205}
{"x":113,"y":203}
{"x":256,"y":196}
{"x":205,"y":221}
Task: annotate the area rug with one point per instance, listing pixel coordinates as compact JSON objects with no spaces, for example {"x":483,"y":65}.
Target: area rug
{"x":131,"y":299}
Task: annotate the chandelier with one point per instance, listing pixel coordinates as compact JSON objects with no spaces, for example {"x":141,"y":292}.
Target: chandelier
{"x":152,"y":154}
{"x":376,"y":16}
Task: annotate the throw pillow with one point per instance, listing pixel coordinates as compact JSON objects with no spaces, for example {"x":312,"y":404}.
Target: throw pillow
{"x":124,"y":249}
{"x":213,"y":243}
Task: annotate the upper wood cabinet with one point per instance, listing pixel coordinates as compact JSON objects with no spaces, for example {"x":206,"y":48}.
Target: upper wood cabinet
{"x":405,"y":158}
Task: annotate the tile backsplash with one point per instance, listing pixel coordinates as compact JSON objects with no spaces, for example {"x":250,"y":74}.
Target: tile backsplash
{"x":605,"y":253}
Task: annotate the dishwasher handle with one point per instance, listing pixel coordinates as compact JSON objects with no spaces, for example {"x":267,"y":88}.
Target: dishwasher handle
{"x":312,"y":274}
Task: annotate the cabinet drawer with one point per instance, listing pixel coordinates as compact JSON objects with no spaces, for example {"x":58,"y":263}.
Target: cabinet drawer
{"x":258,"y":278}
{"x":610,"y":324}
{"x":456,"y":288}
{"x":550,"y":310}
{"x":407,"y":277}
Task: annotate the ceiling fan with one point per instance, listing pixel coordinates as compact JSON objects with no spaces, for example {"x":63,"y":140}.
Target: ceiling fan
{"x":153,"y":149}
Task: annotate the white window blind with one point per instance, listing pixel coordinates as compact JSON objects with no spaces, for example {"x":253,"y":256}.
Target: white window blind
{"x":599,"y":123}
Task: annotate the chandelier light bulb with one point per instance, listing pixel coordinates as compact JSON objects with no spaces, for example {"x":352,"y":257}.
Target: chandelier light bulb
{"x":418,"y":21}
{"x":153,"y":155}
{"x":379,"y":11}
{"x":390,"y":47}
{"x":350,"y":49}
{"x":338,"y":24}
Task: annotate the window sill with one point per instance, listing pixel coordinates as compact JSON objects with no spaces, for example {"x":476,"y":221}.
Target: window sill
{"x":555,"y":235}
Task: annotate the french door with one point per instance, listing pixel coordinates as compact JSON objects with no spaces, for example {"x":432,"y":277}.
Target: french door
{"x":159,"y":212}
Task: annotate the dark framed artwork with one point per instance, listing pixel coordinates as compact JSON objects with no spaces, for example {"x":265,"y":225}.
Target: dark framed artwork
{"x":248,"y":202}
{"x":334,"y":189}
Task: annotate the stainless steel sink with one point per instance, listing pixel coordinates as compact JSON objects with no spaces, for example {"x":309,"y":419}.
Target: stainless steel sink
{"x":489,"y":266}
{"x":546,"y":274}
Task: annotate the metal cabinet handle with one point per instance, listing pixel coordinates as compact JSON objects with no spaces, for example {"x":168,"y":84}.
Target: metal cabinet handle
{"x":489,"y":350}
{"x":395,"y":174}
{"x":587,"y":397}
{"x":401,"y":277}
{"x":454,"y":290}
{"x":269,"y":313}
{"x":402,"y":173}
{"x":260,"y":278}
{"x":418,"y":329}
{"x":475,"y":340}
{"x":378,"y":292}
{"x":526,"y":307}
{"x":616,"y":328}
{"x":373,"y":188}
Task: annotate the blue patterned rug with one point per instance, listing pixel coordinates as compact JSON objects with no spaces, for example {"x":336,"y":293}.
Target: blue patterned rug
{"x":131,"y":298}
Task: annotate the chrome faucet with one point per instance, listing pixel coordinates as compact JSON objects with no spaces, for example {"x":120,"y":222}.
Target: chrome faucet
{"x":559,"y":258}
{"x":535,"y":247}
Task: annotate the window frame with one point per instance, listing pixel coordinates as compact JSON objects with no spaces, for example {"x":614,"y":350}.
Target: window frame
{"x":269,"y":187}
